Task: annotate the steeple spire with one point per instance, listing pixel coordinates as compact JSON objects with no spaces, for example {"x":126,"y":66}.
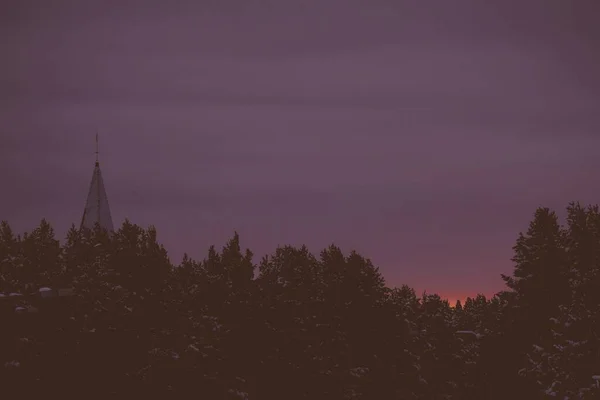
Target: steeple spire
{"x":97,"y":210}
{"x":96,"y":147}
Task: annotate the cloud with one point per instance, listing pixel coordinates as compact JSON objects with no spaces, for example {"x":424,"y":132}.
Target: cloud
{"x":392,"y":127}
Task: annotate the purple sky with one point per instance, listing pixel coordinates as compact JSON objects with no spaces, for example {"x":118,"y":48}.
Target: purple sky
{"x":423,"y":134}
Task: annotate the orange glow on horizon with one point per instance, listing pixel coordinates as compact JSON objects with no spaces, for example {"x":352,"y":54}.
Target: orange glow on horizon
{"x":452,"y":300}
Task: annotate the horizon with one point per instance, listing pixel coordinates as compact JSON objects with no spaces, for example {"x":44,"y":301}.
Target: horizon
{"x":451,"y":298}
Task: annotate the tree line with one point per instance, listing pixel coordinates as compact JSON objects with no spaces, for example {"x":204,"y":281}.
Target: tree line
{"x":295,"y":325}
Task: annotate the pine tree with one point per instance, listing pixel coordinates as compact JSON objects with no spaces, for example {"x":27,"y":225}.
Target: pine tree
{"x":540,"y":284}
{"x":563,"y":363}
{"x":42,"y":258}
{"x":458,"y":306}
{"x":402,"y":340}
{"x":540,"y":274}
{"x":474,"y":314}
{"x":447,"y":363}
{"x":9,"y":254}
{"x":289,"y":305}
{"x":238,"y":347}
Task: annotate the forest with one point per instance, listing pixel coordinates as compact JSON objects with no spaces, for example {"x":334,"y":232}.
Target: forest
{"x":294,"y":324}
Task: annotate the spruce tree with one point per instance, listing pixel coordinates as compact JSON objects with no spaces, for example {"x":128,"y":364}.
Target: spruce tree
{"x":402,"y":339}
{"x":9,"y":259}
{"x":563,"y":363}
{"x":289,"y":307}
{"x":541,"y":271}
{"x":42,"y":258}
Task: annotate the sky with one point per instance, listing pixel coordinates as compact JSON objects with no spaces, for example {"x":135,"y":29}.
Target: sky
{"x":421,"y":134}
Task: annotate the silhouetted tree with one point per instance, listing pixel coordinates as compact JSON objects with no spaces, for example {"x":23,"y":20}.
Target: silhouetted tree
{"x":41,"y":258}
{"x":307,"y":326}
{"x":11,"y":260}
{"x":540,"y":284}
{"x":564,"y":362}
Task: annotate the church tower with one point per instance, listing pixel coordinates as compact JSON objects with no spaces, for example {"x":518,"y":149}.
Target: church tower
{"x":96,"y":207}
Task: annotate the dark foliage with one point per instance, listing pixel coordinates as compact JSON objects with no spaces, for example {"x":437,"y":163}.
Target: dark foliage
{"x":295,"y":326}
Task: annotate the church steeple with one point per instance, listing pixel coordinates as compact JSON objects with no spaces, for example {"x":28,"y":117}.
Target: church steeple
{"x":96,"y":207}
{"x":96,"y":148}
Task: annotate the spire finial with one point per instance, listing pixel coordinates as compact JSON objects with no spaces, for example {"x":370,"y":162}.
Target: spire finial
{"x":96,"y":147}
